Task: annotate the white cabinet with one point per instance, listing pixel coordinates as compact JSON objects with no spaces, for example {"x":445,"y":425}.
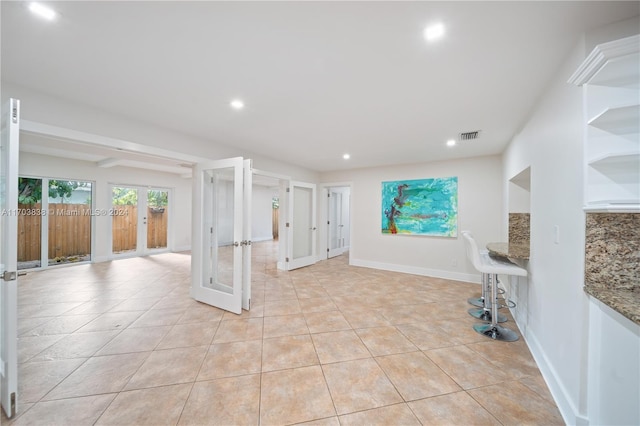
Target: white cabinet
{"x":610,"y":77}
{"x":613,"y":367}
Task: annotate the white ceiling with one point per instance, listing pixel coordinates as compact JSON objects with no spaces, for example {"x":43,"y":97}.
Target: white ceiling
{"x":318,"y":78}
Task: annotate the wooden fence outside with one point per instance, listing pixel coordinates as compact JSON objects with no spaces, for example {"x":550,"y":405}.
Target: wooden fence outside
{"x":274,"y":223}
{"x":157,"y":222}
{"x":125,"y":229}
{"x":70,"y":230}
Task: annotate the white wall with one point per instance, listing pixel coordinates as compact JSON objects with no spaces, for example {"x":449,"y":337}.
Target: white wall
{"x":519,"y":199}
{"x":479,"y":210}
{"x":551,"y":143}
{"x":553,"y":312}
{"x":180,"y":204}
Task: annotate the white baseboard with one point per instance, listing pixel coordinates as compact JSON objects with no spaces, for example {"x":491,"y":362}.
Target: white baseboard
{"x":568,"y":410}
{"x":99,"y":259}
{"x":181,"y":248}
{"x":436,"y":273}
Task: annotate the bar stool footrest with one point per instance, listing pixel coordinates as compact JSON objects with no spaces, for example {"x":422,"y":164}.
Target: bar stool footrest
{"x":509,"y":304}
{"x":484,"y":315}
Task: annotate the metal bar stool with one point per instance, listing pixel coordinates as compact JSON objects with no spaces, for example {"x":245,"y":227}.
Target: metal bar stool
{"x":492,"y":268}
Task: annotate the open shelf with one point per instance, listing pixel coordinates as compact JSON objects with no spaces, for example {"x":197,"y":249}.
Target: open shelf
{"x":625,"y":160}
{"x":610,"y":77}
{"x":619,"y":120}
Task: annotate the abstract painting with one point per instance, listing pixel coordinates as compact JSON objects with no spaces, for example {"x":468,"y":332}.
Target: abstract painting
{"x":421,"y":207}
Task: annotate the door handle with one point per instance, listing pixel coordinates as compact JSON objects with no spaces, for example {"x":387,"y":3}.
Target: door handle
{"x":9,"y":275}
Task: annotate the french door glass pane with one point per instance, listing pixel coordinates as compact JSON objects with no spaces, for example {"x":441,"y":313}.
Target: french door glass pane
{"x":335,"y":207}
{"x":29,"y":223}
{"x":125,"y":219}
{"x":219,"y":212}
{"x":302,"y":221}
{"x":69,"y":221}
{"x":157,"y":218}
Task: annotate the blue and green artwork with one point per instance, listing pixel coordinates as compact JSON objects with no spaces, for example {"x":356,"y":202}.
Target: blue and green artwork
{"x":421,"y":207}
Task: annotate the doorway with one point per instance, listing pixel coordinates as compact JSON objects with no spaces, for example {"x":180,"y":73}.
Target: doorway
{"x":140,"y":220}
{"x":269,"y":213}
{"x":334,"y":219}
{"x":338,"y":221}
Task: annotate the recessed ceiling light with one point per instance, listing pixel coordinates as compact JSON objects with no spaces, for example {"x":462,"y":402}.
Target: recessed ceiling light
{"x":42,"y":11}
{"x":237,"y":104}
{"x":451,"y":142}
{"x":346,"y":156}
{"x":434,"y":32}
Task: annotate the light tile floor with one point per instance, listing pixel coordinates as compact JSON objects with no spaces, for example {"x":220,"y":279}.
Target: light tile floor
{"x":122,"y":343}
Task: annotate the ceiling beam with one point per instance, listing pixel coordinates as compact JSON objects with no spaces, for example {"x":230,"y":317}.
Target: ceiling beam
{"x":109,"y":162}
{"x":37,"y":128}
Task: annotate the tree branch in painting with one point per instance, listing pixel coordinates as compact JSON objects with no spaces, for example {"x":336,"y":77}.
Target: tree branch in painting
{"x":421,"y":207}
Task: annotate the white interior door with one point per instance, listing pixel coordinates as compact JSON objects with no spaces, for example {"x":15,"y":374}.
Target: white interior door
{"x":246,"y":235}
{"x":302,"y":225}
{"x":335,"y":241}
{"x":220,"y":240}
{"x":8,"y":256}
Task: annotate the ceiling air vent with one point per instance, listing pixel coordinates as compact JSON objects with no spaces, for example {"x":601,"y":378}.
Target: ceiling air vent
{"x":467,"y":136}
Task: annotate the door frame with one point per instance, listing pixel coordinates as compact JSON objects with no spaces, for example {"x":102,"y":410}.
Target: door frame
{"x":8,"y":259}
{"x":141,"y":236}
{"x":339,"y":191}
{"x":283,"y":231}
{"x":323,"y":209}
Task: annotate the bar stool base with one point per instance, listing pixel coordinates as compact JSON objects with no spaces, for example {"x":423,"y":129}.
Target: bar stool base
{"x":496,"y":332}
{"x":483,"y":315}
{"x":476,"y":301}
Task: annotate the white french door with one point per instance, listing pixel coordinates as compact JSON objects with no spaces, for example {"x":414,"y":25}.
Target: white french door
{"x":301,"y":247}
{"x":336,"y":239}
{"x":221,"y":242}
{"x":8,"y":257}
{"x":140,"y":220}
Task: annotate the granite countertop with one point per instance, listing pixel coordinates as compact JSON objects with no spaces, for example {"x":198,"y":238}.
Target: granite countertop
{"x":612,"y":261}
{"x":509,"y":250}
{"x":626,"y":302}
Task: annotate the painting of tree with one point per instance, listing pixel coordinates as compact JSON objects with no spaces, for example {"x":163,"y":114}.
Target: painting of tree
{"x":420,"y":207}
